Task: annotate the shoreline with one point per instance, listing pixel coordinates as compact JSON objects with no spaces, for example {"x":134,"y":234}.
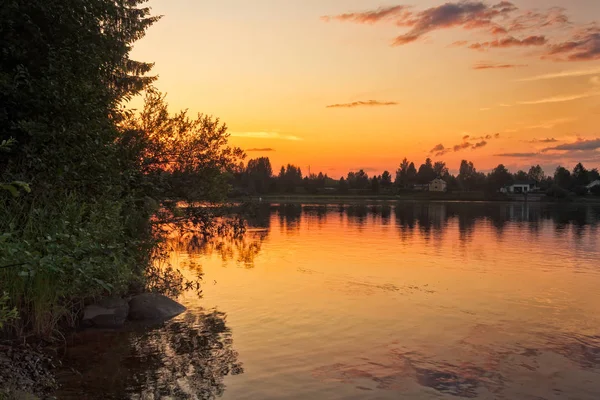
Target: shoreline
{"x":435,"y":198}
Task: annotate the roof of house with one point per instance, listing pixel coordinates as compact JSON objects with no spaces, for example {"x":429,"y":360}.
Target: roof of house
{"x":595,"y":183}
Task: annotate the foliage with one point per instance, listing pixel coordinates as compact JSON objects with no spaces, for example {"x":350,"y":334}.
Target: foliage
{"x":7,"y":313}
{"x":557,"y":192}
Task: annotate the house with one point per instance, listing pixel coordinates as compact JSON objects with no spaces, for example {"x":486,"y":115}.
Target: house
{"x":437,"y":185}
{"x":593,"y":184}
{"x":520,"y":188}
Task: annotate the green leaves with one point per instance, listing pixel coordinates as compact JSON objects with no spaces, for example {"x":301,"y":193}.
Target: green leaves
{"x":15,"y":187}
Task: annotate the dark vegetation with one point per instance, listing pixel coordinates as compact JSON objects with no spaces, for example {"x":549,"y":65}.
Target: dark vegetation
{"x":257,"y":178}
{"x":89,"y":188}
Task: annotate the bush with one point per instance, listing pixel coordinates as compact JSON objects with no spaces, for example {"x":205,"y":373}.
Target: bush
{"x":557,"y":192}
{"x":595,"y":190}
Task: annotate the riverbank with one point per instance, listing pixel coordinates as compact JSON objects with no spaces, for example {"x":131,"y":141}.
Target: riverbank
{"x":417,"y":197}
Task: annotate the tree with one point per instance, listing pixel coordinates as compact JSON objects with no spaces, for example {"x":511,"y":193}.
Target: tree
{"x":375,"y":184}
{"x":411,"y":175}
{"x":440,"y":169}
{"x":258,"y":175}
{"x":358,"y":180}
{"x":343,"y":187}
{"x":580,"y":175}
{"x":521,"y":176}
{"x":291,"y":178}
{"x":562,"y":177}
{"x":536,"y":174}
{"x":499,"y":177}
{"x":467,"y":175}
{"x":402,"y":174}
{"x":426,"y":172}
{"x":386,"y":180}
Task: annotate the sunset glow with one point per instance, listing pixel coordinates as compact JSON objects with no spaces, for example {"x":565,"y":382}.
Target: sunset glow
{"x":344,"y":85}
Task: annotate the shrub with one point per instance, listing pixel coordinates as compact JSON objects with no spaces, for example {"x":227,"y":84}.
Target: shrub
{"x":557,"y":192}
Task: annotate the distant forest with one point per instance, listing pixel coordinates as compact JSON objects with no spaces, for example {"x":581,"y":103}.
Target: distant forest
{"x":258,"y":177}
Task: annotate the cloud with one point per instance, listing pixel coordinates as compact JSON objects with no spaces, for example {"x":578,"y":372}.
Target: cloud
{"x":265,"y":135}
{"x":524,"y":155}
{"x":560,"y":99}
{"x":546,"y":140}
{"x":563,"y":74}
{"x":483,"y":66}
{"x":438,"y":148}
{"x":369,"y":103}
{"x":510,"y":41}
{"x":595,"y":80}
{"x":485,"y":109}
{"x":369,"y":17}
{"x":261,"y":150}
{"x":459,"y":43}
{"x":550,"y":124}
{"x":583,"y":46}
{"x":580,"y":145}
{"x":507,"y":24}
{"x":467,"y":143}
{"x":465,"y":14}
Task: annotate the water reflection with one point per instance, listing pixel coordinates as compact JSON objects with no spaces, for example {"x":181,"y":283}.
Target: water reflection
{"x":187,"y":358}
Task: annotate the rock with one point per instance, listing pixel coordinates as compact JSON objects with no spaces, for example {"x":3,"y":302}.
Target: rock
{"x":110,"y":312}
{"x":153,"y":307}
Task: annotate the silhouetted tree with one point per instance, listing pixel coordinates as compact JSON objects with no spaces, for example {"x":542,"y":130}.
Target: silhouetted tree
{"x":426,"y":172}
{"x":467,"y":176}
{"x":386,"y":180}
{"x":402,"y":174}
{"x":343,"y":186}
{"x":580,"y":175}
{"x":498,"y":178}
{"x":358,"y":180}
{"x":258,"y":175}
{"x":375,"y":184}
{"x":440,"y":169}
{"x":411,"y":174}
{"x":536,"y":174}
{"x":562,"y":177}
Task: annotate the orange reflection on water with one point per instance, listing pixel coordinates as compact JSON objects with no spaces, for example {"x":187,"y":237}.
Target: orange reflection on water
{"x":426,"y":300}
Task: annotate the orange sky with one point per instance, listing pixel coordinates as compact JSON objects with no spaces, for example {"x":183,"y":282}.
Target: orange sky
{"x":421,"y":74}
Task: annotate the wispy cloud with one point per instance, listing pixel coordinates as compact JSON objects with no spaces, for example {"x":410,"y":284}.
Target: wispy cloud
{"x":580,"y":145}
{"x":560,"y":98}
{"x":484,"y":66}
{"x":584,"y":45}
{"x":261,"y":150}
{"x":563,"y":74}
{"x":468,"y":142}
{"x":517,"y":155}
{"x":546,"y":140}
{"x":369,"y":103}
{"x":510,"y":41}
{"x":265,"y":135}
{"x":369,"y":17}
{"x":503,"y":24}
{"x":550,"y":124}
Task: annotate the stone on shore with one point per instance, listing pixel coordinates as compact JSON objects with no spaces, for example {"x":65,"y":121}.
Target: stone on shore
{"x":153,"y":307}
{"x":110,"y":312}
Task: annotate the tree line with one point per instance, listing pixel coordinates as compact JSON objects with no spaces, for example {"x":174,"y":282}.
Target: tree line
{"x":257,"y":177}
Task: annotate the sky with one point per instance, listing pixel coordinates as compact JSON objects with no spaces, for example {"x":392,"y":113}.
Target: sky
{"x":339,"y":85}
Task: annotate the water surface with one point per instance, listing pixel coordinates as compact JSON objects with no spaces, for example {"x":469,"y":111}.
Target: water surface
{"x":419,"y":301}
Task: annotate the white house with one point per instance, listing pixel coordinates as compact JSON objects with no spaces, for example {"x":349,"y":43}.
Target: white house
{"x":519,"y":188}
{"x":437,"y":185}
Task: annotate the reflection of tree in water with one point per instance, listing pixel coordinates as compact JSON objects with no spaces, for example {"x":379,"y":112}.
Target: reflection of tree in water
{"x":241,"y":249}
{"x":187,"y":359}
{"x":357,"y":214}
{"x":289,"y":216}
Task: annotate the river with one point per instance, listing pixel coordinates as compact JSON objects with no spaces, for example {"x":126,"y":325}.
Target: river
{"x":416,"y":301}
